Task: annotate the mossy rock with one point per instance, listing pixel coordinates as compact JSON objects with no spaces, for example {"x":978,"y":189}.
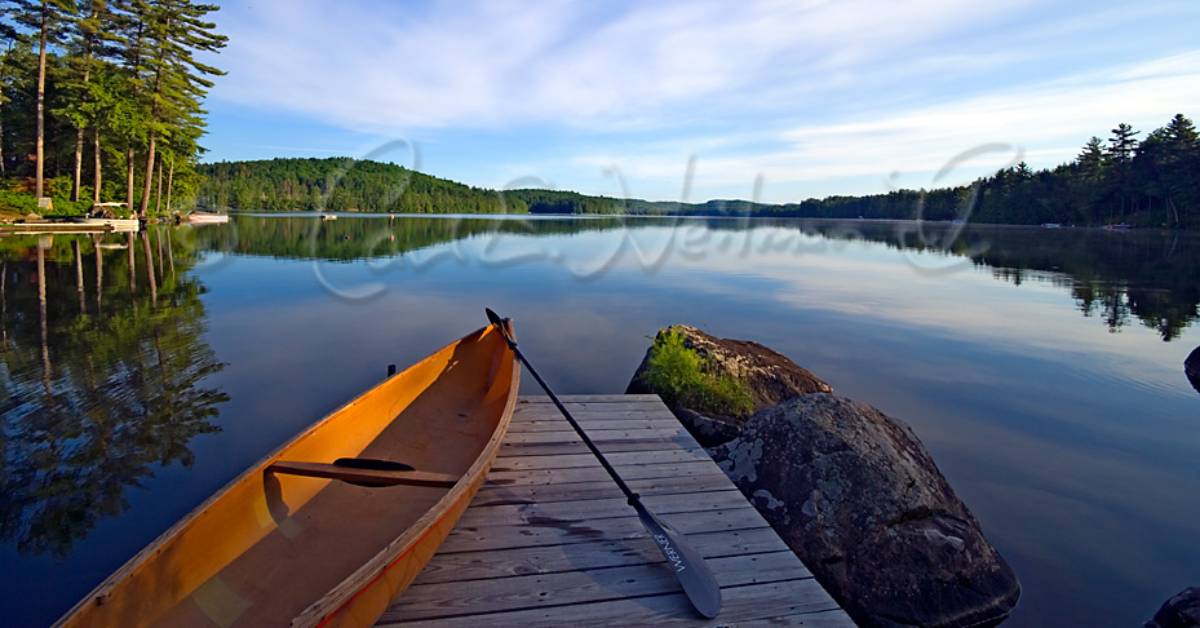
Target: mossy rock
{"x":719,"y":379}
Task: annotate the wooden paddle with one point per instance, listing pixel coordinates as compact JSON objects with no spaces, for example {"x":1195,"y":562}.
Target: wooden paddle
{"x":684,"y":561}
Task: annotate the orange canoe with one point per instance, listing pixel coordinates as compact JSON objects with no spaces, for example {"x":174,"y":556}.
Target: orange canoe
{"x":339,"y":521}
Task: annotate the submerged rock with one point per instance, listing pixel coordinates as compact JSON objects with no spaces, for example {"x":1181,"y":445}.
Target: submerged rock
{"x":769,"y":376}
{"x":857,"y":497}
{"x":1181,"y":611}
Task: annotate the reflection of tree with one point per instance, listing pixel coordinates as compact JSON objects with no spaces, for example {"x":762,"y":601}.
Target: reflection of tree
{"x":126,"y":390}
{"x":355,"y":238}
{"x":1150,"y":276}
{"x":1117,"y":277}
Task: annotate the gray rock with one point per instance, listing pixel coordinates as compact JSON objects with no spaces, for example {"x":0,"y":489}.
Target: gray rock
{"x":1181,"y":611}
{"x":770,"y":376}
{"x":857,"y":497}
{"x":706,"y":430}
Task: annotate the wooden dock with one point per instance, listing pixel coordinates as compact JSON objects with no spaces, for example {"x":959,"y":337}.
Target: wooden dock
{"x":549,"y":539}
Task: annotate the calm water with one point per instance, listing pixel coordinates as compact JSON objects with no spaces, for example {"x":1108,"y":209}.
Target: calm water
{"x":1043,"y":368}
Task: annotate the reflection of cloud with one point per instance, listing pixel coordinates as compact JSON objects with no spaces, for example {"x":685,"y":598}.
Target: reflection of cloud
{"x":870,"y":280}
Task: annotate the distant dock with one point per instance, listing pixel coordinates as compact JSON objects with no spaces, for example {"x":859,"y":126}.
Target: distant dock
{"x":90,"y":225}
{"x":550,"y":541}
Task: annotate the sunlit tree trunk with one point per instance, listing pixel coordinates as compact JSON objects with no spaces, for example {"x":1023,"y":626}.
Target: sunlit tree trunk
{"x":129,"y":178}
{"x":41,"y":100}
{"x":99,"y":171}
{"x":158,"y":193}
{"x":78,"y":164}
{"x":170,"y":182}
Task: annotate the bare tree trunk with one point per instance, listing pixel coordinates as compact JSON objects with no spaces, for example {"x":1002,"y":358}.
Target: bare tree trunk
{"x":4,"y":303}
{"x":78,"y":164}
{"x":99,"y":170}
{"x":41,"y":101}
{"x":158,"y":194}
{"x":129,"y":178}
{"x":170,"y":182}
{"x":3,"y":170}
{"x":149,"y":182}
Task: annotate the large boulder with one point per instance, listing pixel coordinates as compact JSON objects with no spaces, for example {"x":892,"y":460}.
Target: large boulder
{"x":1181,"y":611}
{"x":769,"y":376}
{"x":857,"y":497}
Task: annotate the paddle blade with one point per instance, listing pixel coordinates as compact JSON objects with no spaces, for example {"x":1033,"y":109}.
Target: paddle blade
{"x":686,"y":563}
{"x":492,"y":317}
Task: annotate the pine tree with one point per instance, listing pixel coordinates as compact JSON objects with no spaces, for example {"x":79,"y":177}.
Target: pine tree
{"x":1122,"y":144}
{"x":1091,"y":159}
{"x":48,"y":20}
{"x":9,"y":36}
{"x":177,"y":81}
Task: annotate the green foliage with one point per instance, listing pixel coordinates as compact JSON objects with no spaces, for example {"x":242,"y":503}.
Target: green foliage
{"x":341,"y":184}
{"x":123,"y":77}
{"x":681,"y":377}
{"x":23,"y":203}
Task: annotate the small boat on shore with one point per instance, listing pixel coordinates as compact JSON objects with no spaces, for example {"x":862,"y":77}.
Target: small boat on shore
{"x":206,"y":218}
{"x":329,"y":528}
{"x":328,"y":216}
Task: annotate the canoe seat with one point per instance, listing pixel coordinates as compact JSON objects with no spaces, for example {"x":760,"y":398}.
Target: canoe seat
{"x":365,"y":472}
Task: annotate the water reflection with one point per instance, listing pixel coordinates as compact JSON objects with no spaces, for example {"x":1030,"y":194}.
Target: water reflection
{"x":96,"y":391}
{"x":1075,"y":447}
{"x":1114,"y":277}
{"x":1191,"y":367}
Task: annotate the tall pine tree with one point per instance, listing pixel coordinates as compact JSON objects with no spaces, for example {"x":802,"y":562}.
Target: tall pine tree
{"x":176,"y":81}
{"x":48,"y":20}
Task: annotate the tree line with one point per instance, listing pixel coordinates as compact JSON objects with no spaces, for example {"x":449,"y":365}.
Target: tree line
{"x":341,"y":184}
{"x":103,"y":100}
{"x":1154,"y":181}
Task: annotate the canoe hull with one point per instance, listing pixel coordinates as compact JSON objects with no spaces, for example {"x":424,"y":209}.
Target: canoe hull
{"x":269,"y":548}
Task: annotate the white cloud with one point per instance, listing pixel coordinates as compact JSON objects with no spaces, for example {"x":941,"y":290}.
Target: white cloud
{"x":1047,"y":122}
{"x":817,"y":96}
{"x":487,"y":64}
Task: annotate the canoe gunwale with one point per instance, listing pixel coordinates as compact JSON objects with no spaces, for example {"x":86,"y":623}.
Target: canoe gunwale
{"x":100,"y":593}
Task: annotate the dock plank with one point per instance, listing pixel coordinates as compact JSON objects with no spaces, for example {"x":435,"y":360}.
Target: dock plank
{"x":550,"y":540}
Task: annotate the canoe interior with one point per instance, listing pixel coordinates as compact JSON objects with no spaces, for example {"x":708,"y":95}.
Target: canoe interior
{"x":268,"y":545}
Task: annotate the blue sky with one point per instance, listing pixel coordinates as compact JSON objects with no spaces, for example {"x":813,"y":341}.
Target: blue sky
{"x":778,"y":101}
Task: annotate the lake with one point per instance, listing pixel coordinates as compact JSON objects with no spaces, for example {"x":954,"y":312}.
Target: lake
{"x":1043,"y":368}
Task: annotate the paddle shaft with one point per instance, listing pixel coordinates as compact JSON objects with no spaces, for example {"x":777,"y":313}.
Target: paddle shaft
{"x":688,"y":565}
{"x":629,"y":494}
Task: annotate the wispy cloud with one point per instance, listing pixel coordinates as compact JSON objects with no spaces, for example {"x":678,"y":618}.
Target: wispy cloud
{"x":493,"y":63}
{"x":1045,"y":123}
{"x":817,"y":96}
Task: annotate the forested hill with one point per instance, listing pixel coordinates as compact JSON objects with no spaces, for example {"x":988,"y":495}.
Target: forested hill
{"x":340,"y":184}
{"x":1153,"y":181}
